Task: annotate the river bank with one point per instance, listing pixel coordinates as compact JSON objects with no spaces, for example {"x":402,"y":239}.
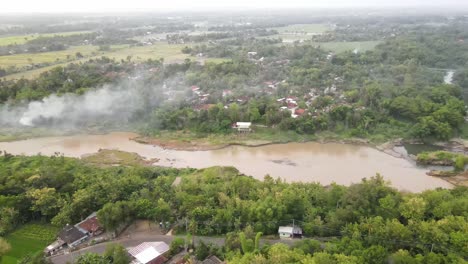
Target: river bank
{"x":394,"y":148}
{"x":326,"y":164}
{"x":187,"y":141}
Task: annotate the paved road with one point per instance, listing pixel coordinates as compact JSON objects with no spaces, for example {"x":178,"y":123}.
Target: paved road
{"x":137,"y":239}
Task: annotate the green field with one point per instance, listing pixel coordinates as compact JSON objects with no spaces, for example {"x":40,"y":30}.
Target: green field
{"x":25,"y":59}
{"x":5,"y":41}
{"x":303,"y":28}
{"x":298,"y":32}
{"x":171,"y":54}
{"x":28,"y":239}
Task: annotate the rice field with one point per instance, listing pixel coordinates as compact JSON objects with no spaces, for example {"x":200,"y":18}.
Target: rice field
{"x":21,"y":39}
{"x":171,"y":54}
{"x":26,"y":59}
{"x":303,"y":29}
{"x":28,"y":239}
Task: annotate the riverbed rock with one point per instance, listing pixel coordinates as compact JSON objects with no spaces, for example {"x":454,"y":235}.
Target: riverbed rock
{"x":439,"y":173}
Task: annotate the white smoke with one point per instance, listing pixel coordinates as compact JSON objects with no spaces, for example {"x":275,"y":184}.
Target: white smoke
{"x":50,"y":107}
{"x":109,"y":103}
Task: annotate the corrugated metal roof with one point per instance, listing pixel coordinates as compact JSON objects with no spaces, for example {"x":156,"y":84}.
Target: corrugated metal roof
{"x":147,"y":251}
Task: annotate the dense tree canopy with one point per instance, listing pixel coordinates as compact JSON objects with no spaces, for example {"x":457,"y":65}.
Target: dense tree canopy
{"x":371,"y":220}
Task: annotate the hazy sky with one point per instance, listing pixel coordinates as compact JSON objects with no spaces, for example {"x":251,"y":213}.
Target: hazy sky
{"x":171,"y":5}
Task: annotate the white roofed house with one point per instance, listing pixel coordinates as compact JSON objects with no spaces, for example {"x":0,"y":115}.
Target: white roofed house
{"x":290,"y":232}
{"x":149,"y":253}
{"x":243,"y":126}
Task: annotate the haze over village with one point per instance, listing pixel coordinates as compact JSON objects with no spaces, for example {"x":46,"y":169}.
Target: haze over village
{"x":150,"y":132}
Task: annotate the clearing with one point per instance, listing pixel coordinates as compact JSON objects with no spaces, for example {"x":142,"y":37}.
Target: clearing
{"x":27,"y":59}
{"x":28,"y":239}
{"x":21,"y":39}
{"x":303,"y":29}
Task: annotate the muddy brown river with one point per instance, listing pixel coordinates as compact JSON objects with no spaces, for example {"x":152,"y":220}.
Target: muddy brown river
{"x":294,"y":162}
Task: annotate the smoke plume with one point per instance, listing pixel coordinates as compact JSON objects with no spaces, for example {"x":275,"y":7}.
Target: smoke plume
{"x":111,"y":103}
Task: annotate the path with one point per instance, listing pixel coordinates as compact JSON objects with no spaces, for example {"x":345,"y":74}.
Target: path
{"x":139,"y":238}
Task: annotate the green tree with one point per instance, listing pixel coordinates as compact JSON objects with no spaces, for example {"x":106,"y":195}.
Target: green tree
{"x":254,"y":114}
{"x":38,"y":258}
{"x":413,"y":208}
{"x":176,"y":245}
{"x":403,"y":257}
{"x":46,"y":201}
{"x":112,"y":215}
{"x":117,"y":254}
{"x":4,"y":247}
{"x":92,"y":258}
{"x":375,"y":255}
{"x":8,"y":219}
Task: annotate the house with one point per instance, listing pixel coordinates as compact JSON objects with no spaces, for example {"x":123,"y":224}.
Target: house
{"x":243,"y":126}
{"x":91,"y":225}
{"x":149,"y":253}
{"x":251,"y":54}
{"x":54,"y":247}
{"x":72,"y":235}
{"x":299,"y":111}
{"x":227,"y":93}
{"x":290,"y":232}
{"x":292,"y":105}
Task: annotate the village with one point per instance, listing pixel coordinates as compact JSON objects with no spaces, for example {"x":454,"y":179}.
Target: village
{"x":89,"y":234}
{"x":295,"y":103}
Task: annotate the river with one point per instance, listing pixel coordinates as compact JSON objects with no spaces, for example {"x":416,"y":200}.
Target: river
{"x":295,"y":162}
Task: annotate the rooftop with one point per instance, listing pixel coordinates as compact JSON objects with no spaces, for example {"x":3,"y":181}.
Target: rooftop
{"x":70,"y":234}
{"x":147,"y":251}
{"x":290,"y":230}
{"x":90,"y":224}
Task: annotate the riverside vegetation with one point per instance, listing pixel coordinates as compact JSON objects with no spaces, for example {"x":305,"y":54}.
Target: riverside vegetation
{"x":290,"y":91}
{"x":368,"y":222}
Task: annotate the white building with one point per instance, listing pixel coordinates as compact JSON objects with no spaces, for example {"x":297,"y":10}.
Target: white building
{"x":149,"y":253}
{"x":290,"y":232}
{"x":243,"y":126}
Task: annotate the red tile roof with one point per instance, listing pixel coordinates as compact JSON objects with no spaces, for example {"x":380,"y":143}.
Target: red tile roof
{"x":299,"y":111}
{"x":91,"y":224}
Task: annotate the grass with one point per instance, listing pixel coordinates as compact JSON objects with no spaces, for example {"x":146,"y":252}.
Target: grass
{"x":170,"y":53}
{"x":21,"y":39}
{"x":116,"y":157}
{"x":213,"y":60}
{"x":189,"y":140}
{"x":298,"y":32}
{"x":303,"y":28}
{"x":260,"y":136}
{"x":334,"y":46}
{"x":26,"y":59}
{"x":28,"y":239}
